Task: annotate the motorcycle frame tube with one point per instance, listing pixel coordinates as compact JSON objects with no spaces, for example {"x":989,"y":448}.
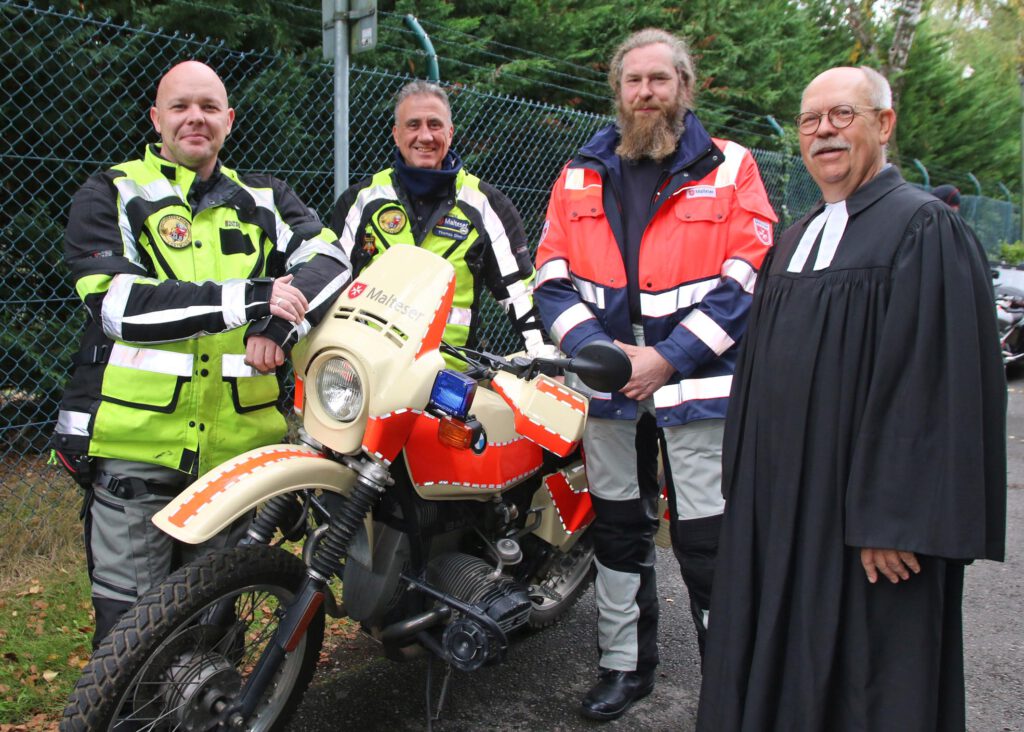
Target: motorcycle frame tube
{"x":236,"y":487}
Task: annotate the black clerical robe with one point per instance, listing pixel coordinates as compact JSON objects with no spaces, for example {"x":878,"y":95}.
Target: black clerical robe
{"x":868,"y":410}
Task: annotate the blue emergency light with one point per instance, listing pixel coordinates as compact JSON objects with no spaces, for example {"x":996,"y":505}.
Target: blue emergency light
{"x":453,"y":393}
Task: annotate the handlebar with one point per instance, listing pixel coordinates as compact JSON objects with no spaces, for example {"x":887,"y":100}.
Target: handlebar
{"x":601,"y":365}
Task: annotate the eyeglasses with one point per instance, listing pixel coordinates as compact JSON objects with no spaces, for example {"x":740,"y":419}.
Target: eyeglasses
{"x":840,"y":117}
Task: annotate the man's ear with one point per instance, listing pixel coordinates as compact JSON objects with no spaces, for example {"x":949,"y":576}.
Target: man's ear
{"x":153,"y":117}
{"x":887,"y":124}
{"x":231,"y":120}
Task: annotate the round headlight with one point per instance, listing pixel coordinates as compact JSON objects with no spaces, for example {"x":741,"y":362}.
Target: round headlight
{"x":339,"y":390}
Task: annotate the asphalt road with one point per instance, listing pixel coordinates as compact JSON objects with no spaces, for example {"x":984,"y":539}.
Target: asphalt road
{"x":546,"y":674}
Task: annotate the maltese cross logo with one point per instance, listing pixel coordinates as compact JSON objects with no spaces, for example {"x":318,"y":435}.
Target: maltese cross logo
{"x":356,"y":290}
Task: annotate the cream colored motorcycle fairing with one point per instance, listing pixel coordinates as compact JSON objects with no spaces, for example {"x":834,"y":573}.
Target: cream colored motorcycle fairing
{"x":546,"y":411}
{"x":383,"y":323}
{"x":236,"y":487}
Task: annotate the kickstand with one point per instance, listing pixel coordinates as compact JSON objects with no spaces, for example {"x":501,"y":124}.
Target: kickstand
{"x":431,"y":717}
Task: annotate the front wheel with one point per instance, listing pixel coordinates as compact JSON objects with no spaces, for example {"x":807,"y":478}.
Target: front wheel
{"x":187,"y":647}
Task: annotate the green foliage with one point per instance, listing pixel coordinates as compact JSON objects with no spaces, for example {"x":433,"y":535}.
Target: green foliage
{"x":1011,"y":254}
{"x":753,"y":58}
{"x":953,"y":123}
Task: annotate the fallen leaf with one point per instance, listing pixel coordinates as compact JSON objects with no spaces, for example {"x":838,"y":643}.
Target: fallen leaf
{"x":11,"y":656}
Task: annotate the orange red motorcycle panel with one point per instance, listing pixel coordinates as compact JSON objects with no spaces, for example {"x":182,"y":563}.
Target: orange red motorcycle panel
{"x":536,"y":431}
{"x":495,"y":468}
{"x":432,"y":340}
{"x":541,"y":435}
{"x":386,"y":435}
{"x":575,"y":510}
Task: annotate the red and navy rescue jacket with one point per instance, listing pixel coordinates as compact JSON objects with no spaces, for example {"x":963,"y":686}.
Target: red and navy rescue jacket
{"x":709,"y":232}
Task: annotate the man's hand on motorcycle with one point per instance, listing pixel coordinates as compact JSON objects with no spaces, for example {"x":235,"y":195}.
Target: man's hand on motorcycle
{"x":650,"y":371}
{"x":287,"y":301}
{"x":263,"y":354}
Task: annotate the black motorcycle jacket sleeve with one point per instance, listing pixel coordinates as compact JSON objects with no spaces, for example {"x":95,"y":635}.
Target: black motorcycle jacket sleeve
{"x":508,"y":269}
{"x":135,"y":301}
{"x":312,"y":254}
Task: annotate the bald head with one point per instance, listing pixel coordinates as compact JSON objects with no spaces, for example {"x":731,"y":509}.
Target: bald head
{"x":846,"y":150}
{"x":190,"y":73}
{"x":866,"y":80}
{"x":192,"y":116}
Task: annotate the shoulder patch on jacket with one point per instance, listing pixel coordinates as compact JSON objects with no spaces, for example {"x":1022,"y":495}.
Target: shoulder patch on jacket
{"x":577,"y":179}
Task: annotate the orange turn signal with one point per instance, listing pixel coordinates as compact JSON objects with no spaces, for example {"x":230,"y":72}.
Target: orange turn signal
{"x":455,"y":433}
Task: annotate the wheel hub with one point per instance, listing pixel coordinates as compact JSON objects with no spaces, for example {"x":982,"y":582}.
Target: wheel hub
{"x":198,"y":685}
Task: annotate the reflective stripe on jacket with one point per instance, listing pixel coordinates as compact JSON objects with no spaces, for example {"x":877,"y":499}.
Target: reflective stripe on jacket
{"x":160,"y":377}
{"x":699,"y":254}
{"x":477,"y":230}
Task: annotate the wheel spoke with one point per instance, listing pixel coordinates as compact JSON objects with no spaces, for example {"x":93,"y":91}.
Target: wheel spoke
{"x":193,"y":640}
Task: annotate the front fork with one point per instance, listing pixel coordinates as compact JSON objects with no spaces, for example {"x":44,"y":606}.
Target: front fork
{"x":332,"y":547}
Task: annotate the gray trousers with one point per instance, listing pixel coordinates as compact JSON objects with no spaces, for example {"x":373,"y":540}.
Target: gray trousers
{"x":621,"y":460}
{"x":126,"y":553}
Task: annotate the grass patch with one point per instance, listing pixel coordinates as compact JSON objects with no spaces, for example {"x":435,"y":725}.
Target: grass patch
{"x":46,"y":619}
{"x":46,"y":633}
{"x":39,"y":519}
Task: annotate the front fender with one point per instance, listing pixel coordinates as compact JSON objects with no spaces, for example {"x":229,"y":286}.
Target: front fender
{"x":233,"y":488}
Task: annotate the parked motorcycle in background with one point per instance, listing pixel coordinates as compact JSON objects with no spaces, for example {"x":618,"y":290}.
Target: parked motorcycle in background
{"x":452,"y":506}
{"x":1010,"y":317}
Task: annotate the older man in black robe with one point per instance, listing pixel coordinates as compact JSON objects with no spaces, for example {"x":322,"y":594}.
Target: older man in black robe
{"x":865,"y":452}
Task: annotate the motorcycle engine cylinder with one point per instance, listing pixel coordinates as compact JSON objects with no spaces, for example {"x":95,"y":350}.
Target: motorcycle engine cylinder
{"x":473,"y":580}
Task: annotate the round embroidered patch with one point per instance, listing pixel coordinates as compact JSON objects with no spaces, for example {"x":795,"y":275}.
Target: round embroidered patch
{"x":392,"y":220}
{"x":175,"y":231}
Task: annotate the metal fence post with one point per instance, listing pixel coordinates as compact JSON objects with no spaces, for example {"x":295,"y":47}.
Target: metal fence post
{"x":340,"y":97}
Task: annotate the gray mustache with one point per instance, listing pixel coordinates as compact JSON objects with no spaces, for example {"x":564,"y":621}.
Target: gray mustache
{"x":829,"y":144}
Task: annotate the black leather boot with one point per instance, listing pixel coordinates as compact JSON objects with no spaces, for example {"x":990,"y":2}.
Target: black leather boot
{"x":613,"y":694}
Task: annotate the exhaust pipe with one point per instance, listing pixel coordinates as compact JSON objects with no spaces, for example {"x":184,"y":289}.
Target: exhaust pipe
{"x":406,"y":629}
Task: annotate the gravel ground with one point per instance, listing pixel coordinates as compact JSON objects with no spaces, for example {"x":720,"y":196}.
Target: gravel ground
{"x":546,"y":674}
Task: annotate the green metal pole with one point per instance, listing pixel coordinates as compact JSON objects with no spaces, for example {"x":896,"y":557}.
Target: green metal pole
{"x":977,"y":185}
{"x":924,"y":173}
{"x":433,"y":73}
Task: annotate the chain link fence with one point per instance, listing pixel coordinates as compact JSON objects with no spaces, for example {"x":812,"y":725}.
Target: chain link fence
{"x":75,"y":93}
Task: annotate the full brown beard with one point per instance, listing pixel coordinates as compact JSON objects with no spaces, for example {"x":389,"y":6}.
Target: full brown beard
{"x":653,"y":136}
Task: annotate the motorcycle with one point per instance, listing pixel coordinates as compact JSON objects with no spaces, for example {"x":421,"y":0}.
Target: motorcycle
{"x":452,"y":507}
{"x":1010,"y":319}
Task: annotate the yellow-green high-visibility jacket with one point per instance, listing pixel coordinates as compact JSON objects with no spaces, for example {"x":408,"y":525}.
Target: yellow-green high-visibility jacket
{"x":174,"y":273}
{"x":475,"y":227}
